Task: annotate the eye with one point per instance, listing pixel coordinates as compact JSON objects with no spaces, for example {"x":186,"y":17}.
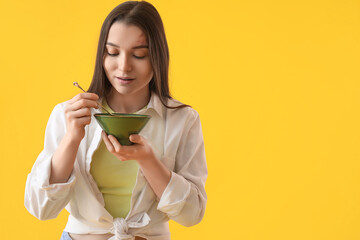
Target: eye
{"x":112,"y":54}
{"x":139,"y":57}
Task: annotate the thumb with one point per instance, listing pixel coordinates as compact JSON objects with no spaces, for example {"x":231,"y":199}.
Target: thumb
{"x":136,"y":138}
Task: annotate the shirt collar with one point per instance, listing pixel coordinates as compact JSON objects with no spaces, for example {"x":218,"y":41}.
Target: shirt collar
{"x":156,"y":104}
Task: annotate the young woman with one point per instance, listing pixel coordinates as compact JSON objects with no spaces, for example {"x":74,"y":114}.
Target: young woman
{"x":113,"y":191}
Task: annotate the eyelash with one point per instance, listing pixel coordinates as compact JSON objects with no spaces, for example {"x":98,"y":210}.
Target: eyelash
{"x":113,"y":55}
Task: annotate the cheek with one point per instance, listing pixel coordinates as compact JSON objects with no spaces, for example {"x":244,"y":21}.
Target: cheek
{"x":147,"y":70}
{"x":109,"y":65}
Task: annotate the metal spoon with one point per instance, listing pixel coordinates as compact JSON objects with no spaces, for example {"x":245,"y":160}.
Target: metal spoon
{"x":77,"y":85}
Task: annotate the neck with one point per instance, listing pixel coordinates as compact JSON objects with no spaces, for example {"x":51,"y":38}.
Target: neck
{"x":127,"y":103}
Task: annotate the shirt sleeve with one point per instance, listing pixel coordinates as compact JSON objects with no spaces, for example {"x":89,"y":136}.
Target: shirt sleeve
{"x":184,"y":199}
{"x":42,"y":199}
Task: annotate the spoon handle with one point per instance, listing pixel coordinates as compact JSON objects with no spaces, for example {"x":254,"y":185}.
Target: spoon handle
{"x":77,"y":85}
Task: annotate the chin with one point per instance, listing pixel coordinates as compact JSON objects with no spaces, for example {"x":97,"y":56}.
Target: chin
{"x":124,"y":90}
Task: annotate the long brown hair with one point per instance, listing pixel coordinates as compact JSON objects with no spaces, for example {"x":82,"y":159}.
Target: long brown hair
{"x":145,"y":16}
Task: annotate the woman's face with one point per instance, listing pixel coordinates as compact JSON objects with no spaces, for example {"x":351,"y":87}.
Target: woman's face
{"x":126,"y":60}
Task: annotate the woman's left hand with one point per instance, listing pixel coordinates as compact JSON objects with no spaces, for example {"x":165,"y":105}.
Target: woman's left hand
{"x":155,"y":172}
{"x":140,"y":151}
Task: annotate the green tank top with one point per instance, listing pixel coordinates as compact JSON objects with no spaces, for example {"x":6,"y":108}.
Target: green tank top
{"x":115,"y":178}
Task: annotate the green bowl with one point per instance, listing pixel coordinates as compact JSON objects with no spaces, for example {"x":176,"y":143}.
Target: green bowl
{"x":122,"y":125}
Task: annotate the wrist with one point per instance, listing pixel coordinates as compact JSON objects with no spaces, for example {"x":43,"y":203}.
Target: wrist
{"x":73,"y":138}
{"x":149,"y":161}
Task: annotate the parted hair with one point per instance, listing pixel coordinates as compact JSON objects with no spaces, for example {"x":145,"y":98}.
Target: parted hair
{"x":145,"y":16}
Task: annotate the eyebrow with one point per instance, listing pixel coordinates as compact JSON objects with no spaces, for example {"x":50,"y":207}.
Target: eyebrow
{"x":137,"y":47}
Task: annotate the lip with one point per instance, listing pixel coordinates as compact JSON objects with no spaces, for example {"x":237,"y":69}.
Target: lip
{"x":125,"y":78}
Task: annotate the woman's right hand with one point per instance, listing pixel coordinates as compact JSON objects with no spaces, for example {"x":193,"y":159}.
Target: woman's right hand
{"x":78,"y":114}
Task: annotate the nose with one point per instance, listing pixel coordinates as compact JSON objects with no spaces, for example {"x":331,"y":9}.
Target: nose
{"x":124,"y":63}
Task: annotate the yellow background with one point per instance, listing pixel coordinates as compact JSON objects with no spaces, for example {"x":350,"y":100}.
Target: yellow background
{"x":276,"y":84}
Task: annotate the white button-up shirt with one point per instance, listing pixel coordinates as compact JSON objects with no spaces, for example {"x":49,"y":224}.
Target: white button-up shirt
{"x":176,"y":138}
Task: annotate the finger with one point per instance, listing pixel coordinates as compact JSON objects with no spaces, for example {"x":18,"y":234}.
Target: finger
{"x":122,"y":158}
{"x":135,"y":138}
{"x":115,"y":143}
{"x":87,"y":95}
{"x":82,"y":112}
{"x":90,"y":96}
{"x":82,"y":103}
{"x":107,"y":142}
{"x":80,"y":122}
{"x":84,"y":120}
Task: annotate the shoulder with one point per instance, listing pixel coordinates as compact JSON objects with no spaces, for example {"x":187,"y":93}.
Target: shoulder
{"x":59,"y":110}
{"x":186,"y":113}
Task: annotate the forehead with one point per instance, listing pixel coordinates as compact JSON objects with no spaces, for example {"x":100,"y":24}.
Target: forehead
{"x":126,"y":36}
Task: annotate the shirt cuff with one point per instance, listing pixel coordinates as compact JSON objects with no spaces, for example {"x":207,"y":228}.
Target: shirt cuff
{"x":55,"y":190}
{"x":174,"y":196}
